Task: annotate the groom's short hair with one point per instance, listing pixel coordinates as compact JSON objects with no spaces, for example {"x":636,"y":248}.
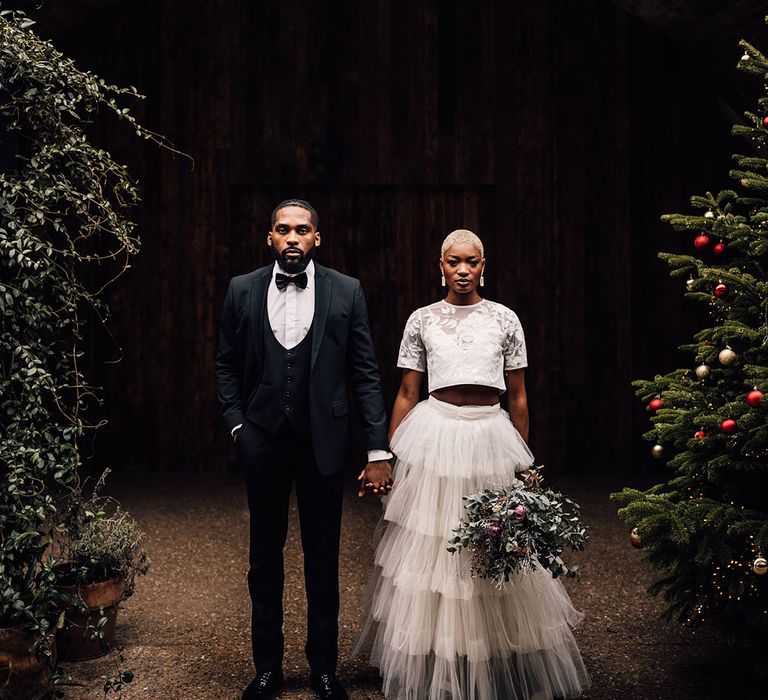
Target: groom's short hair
{"x":297,"y":203}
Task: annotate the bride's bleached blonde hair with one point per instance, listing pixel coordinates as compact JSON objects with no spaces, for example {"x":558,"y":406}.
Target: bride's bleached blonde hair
{"x":462,"y":235}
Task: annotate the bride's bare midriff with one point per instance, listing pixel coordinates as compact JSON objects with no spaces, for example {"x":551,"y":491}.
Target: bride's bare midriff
{"x":468,"y":395}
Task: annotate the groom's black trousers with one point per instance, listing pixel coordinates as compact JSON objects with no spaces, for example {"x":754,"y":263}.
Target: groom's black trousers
{"x":272,"y":464}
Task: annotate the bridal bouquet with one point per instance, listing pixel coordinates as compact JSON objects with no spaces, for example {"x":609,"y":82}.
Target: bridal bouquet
{"x":518,"y":528}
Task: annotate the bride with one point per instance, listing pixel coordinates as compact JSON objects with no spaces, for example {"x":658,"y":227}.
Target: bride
{"x":434,"y":631}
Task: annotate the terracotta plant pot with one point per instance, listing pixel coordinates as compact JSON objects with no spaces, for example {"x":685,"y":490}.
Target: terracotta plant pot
{"x":74,"y":641}
{"x":22,"y":675}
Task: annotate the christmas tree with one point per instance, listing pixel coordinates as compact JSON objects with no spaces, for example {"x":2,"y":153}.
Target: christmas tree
{"x":706,"y":529}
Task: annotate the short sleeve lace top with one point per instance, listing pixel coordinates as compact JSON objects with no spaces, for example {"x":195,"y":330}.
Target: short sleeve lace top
{"x":473,"y":344}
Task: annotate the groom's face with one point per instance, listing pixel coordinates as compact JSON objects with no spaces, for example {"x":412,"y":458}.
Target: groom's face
{"x":293,"y":238}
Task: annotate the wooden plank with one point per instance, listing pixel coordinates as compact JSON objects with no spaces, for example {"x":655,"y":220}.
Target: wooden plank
{"x":525,"y":210}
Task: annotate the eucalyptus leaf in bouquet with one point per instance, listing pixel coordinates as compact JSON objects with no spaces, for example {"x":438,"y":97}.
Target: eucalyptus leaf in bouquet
{"x":518,"y":528}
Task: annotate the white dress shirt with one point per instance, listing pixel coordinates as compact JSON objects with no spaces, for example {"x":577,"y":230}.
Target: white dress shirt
{"x":291,"y":311}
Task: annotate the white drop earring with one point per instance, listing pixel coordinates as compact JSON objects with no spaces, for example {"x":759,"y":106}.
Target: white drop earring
{"x":482,"y":280}
{"x":442,"y":280}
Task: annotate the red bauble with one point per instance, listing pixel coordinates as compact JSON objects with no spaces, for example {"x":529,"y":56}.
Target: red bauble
{"x":753,"y":398}
{"x":728,"y":426}
{"x":655,"y":404}
{"x":701,"y":241}
{"x":719,"y":248}
{"x":765,"y":121}
{"x":699,"y":434}
{"x":721,"y":290}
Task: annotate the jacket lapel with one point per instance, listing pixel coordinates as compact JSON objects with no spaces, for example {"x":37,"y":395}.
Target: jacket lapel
{"x":258,"y":310}
{"x":323,"y":286}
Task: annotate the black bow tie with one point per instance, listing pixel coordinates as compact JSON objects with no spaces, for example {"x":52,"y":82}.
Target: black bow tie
{"x":282,"y":281}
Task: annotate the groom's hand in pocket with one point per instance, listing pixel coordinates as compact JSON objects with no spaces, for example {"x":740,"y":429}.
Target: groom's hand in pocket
{"x":376,"y":478}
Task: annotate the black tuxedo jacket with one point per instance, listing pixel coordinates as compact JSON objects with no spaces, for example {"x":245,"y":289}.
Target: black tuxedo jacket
{"x":342,"y":349}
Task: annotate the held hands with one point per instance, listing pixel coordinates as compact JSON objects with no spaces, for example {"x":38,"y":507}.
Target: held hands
{"x":376,"y":478}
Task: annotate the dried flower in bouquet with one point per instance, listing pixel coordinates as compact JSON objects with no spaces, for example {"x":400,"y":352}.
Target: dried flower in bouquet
{"x":518,"y":528}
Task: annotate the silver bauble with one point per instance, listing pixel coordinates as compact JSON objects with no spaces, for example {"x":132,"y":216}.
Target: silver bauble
{"x":689,"y":284}
{"x":726,"y":356}
{"x":702,"y":371}
{"x":657,"y":451}
{"x":709,"y":215}
{"x":760,"y":566}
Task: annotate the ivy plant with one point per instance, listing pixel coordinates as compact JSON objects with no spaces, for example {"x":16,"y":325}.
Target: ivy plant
{"x":65,"y":208}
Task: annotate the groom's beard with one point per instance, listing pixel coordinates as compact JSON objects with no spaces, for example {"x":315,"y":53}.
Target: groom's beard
{"x":293,"y":266}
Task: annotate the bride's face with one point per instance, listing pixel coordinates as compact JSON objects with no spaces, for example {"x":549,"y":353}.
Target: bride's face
{"x":462,"y":266}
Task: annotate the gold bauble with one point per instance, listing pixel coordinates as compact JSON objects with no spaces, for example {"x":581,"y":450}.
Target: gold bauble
{"x":702,"y":371}
{"x":760,"y":566}
{"x":689,"y":284}
{"x":657,"y":451}
{"x":726,"y":356}
{"x":634,"y":538}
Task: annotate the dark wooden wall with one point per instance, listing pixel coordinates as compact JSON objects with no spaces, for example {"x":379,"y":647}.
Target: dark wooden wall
{"x":558,"y":130}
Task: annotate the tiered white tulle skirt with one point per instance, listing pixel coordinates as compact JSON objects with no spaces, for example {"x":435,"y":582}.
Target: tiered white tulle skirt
{"x":435,"y":632}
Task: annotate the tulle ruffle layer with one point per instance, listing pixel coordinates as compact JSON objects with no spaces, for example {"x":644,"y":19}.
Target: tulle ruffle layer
{"x":444,"y":453}
{"x":460,"y":441}
{"x":540,"y":675}
{"x":434,"y":631}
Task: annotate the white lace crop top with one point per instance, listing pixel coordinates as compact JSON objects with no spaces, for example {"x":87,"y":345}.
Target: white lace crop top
{"x":455,"y":345}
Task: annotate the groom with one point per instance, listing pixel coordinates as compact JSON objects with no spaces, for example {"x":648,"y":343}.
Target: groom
{"x":291,"y":335}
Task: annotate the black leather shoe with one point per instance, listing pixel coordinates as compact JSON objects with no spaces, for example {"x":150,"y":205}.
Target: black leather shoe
{"x":327,"y":687}
{"x":265,"y":686}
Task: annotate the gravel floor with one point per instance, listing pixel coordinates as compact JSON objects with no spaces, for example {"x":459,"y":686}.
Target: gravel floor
{"x":186,"y":631}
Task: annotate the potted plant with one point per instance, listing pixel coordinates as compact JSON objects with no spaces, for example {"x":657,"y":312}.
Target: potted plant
{"x":27,"y":649}
{"x":100,"y":554}
{"x":64,"y":205}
